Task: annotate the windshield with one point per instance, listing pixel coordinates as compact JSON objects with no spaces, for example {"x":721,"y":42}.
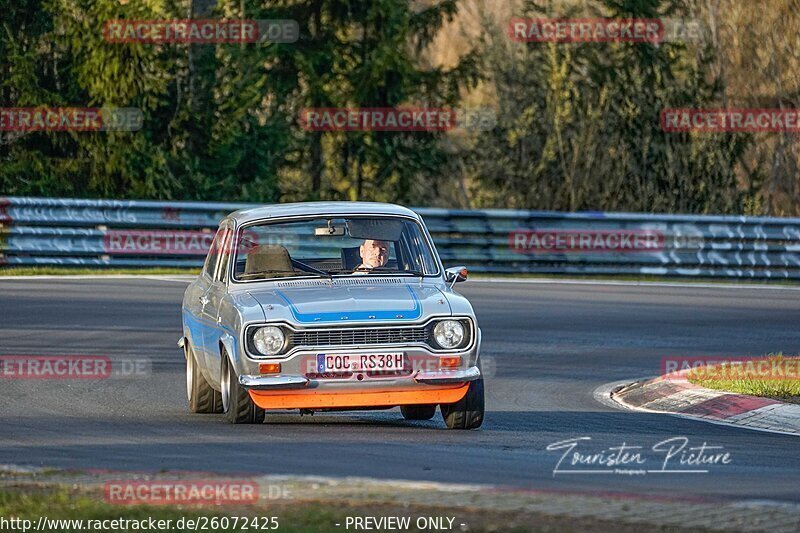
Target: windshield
{"x":338,"y":246}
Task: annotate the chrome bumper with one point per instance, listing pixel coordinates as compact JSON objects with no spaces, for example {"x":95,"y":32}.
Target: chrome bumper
{"x":273,"y":382}
{"x":299,"y":382}
{"x":448,"y":376}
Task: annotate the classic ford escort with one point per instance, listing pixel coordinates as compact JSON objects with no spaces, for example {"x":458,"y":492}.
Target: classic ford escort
{"x":330,"y":306}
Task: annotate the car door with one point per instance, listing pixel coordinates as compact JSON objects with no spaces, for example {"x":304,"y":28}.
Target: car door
{"x":194,"y":302}
{"x":217,"y":290}
{"x":197,"y":299}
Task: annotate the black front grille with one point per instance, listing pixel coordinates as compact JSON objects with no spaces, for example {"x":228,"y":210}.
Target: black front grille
{"x":359,"y":336}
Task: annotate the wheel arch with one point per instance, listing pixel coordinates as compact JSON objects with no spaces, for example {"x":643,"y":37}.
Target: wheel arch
{"x":227,"y":349}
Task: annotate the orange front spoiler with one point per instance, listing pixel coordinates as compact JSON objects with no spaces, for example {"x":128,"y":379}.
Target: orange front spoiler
{"x":313,"y":399}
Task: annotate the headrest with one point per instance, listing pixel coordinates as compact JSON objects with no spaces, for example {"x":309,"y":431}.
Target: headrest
{"x":268,"y":257}
{"x":351,"y":257}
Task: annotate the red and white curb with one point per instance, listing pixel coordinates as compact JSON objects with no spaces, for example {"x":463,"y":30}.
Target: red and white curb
{"x":676,"y":395}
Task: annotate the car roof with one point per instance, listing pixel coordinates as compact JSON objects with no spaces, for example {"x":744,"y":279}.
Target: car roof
{"x":319,"y":208}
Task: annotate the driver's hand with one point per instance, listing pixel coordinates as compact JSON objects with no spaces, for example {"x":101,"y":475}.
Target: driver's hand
{"x":363,"y":269}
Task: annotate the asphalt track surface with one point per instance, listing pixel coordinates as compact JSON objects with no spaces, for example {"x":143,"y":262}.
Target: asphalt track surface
{"x":552,"y":345}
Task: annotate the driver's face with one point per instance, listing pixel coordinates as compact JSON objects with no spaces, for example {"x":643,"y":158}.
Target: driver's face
{"x":374,"y":254}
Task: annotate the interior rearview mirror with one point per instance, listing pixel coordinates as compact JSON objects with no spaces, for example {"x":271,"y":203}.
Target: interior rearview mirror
{"x":329,"y":231}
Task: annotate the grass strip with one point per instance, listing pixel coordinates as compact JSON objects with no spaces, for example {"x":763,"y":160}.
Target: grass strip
{"x":74,"y":503}
{"x":773,"y":376}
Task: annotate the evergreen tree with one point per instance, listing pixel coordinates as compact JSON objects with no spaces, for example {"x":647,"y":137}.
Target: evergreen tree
{"x":579,"y":124}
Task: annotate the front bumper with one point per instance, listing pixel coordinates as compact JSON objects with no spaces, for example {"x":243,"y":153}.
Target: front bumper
{"x":299,"y":392}
{"x":265,"y":383}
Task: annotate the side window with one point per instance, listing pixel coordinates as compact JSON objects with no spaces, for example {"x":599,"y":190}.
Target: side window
{"x":225,"y":255}
{"x":213,"y":253}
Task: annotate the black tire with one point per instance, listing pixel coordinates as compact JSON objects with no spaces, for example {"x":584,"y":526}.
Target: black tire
{"x":238,"y":407}
{"x":466,"y":413}
{"x":199,"y":394}
{"x":418,"y":412}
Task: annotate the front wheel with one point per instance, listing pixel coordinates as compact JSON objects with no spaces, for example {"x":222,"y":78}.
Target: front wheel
{"x":237,"y":405}
{"x":467,"y":413}
{"x":201,"y":397}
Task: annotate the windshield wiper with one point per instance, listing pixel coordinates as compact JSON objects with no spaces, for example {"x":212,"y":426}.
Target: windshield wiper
{"x":341,"y":271}
{"x":311,"y":269}
{"x":378,"y":270}
{"x":260,"y":272}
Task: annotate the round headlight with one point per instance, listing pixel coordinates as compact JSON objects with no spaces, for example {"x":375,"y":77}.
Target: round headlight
{"x":268,"y":340}
{"x":448,"y":333}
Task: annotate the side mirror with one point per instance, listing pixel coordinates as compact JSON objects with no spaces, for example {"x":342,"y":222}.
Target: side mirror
{"x":455,"y":274}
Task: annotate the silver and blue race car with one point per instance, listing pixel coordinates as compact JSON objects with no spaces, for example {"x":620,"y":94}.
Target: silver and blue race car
{"x":330,"y":306}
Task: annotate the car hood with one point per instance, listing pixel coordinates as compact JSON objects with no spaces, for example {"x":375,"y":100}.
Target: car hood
{"x":341,"y":302}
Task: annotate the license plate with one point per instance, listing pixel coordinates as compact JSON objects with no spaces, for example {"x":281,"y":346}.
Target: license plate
{"x":359,"y":362}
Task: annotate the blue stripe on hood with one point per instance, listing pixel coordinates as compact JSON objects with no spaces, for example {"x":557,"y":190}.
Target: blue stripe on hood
{"x":344,"y":315}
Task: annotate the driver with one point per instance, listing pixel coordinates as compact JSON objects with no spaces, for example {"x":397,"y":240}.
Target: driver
{"x":374,"y":254}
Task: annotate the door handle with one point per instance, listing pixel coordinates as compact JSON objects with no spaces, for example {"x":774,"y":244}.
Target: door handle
{"x":203,"y":300}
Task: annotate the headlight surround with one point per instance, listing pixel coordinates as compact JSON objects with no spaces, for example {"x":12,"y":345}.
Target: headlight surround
{"x":449,"y":334}
{"x":268,"y":340}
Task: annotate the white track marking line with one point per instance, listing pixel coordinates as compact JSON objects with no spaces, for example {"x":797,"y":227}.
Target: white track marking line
{"x":635,"y":283}
{"x":166,"y":277}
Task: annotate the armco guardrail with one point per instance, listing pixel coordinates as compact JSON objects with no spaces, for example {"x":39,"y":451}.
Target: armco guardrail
{"x":37,"y":231}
